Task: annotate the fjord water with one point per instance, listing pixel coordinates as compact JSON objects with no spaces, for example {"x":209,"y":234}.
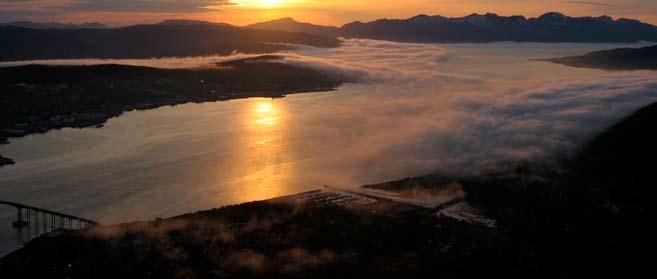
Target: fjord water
{"x":419,"y":109}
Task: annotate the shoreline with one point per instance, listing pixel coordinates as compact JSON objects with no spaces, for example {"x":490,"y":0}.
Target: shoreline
{"x":99,"y":119}
{"x":88,"y":96}
{"x":620,"y":59}
{"x":323,"y":234}
{"x":320,"y":197}
{"x":337,"y":227}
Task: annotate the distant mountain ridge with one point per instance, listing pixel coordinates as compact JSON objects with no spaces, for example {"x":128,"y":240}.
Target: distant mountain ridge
{"x":55,"y":25}
{"x":550,"y":27}
{"x":291,"y":25}
{"x":170,"y":39}
{"x":27,"y":41}
{"x":186,"y":22}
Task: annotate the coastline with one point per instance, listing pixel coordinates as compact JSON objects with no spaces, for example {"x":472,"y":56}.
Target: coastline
{"x":84,"y":102}
{"x":576,"y":218}
{"x":620,"y":59}
{"x":317,"y":234}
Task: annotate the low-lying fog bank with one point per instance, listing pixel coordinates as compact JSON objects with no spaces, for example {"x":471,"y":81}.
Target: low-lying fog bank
{"x":589,"y":219}
{"x":420,"y":108}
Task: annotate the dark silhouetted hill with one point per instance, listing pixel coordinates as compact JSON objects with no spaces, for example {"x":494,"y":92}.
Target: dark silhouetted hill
{"x":291,"y":25}
{"x":550,"y":27}
{"x":147,"y":41}
{"x":611,"y":195}
{"x":616,"y":59}
{"x":185,"y":22}
{"x":588,"y":216}
{"x":616,"y":171}
{"x":55,"y":25}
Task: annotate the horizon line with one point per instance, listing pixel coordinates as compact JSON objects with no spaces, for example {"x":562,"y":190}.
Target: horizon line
{"x":337,"y":26}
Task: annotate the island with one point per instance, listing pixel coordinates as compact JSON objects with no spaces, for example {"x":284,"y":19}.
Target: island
{"x":5,"y":161}
{"x":39,"y":98}
{"x":644,"y":58}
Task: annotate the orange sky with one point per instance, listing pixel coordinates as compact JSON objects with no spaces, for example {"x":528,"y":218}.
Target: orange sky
{"x":334,"y":12}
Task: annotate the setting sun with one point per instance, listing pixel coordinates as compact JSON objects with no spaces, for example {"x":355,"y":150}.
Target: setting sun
{"x":269,"y":3}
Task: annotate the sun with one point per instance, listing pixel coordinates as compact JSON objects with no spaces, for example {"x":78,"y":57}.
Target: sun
{"x":270,"y":3}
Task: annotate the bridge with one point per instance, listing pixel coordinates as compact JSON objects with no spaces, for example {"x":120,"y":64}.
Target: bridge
{"x":45,"y":220}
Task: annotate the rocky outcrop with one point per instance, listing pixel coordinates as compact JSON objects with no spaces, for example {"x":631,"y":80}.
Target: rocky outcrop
{"x":5,"y":161}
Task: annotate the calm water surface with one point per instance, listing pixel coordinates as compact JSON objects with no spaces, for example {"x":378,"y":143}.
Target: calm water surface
{"x":422,"y":108}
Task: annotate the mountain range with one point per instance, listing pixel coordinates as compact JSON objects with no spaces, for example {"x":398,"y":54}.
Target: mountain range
{"x":550,"y":27}
{"x":167,"y":39}
{"x":55,"y":25}
{"x":28,"y":40}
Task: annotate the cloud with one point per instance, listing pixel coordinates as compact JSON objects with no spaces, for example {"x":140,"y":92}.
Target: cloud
{"x":428,"y":117}
{"x":421,"y":108}
{"x":145,"y":5}
{"x":375,"y":61}
{"x":21,"y":9}
{"x":589,"y":3}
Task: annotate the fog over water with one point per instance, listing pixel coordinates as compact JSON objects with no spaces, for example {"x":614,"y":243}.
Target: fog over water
{"x":419,"y":108}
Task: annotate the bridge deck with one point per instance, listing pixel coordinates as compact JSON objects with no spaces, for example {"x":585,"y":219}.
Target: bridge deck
{"x":21,"y":207}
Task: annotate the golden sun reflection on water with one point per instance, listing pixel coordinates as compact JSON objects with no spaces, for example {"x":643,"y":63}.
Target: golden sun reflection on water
{"x":264,"y":113}
{"x":264,"y":107}
{"x":263,"y":162}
